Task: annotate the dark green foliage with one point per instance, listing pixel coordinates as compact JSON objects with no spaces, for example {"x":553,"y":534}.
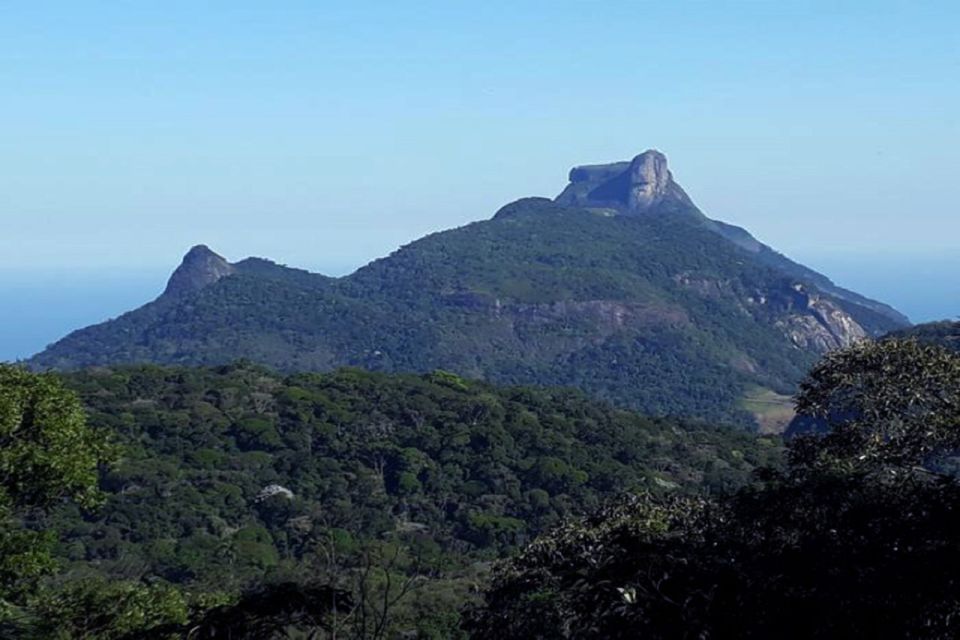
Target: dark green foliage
{"x":817,"y":556}
{"x":448,"y":473}
{"x":106,"y":610}
{"x":656,"y":313}
{"x":888,"y":402}
{"x":945,"y":334}
{"x":47,"y":454}
{"x":474,"y":467}
{"x":268,"y":611}
{"x":862,"y":546}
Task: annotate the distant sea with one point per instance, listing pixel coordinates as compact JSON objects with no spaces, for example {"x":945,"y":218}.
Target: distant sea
{"x":38,"y":308}
{"x":924,"y":287}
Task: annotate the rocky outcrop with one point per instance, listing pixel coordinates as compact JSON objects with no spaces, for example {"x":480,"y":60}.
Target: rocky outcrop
{"x":649,"y":180}
{"x":273,"y":490}
{"x":637,"y":186}
{"x":816,"y":323}
{"x":811,"y":321}
{"x":200,"y":268}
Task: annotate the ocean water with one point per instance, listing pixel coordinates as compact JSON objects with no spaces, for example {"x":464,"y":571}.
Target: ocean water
{"x":925,"y":287}
{"x":37,"y":309}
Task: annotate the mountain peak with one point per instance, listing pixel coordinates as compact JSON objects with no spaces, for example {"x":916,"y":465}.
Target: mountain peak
{"x":635,"y":186}
{"x":201,"y":251}
{"x":200,"y":267}
{"x":649,"y":179}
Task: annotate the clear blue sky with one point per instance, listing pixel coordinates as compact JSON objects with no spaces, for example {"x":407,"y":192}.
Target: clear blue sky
{"x":326,"y":134}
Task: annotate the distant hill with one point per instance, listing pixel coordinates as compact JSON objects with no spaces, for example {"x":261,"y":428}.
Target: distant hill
{"x":945,"y":333}
{"x":620,"y":287}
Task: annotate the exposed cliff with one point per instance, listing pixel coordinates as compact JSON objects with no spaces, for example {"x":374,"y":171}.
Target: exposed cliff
{"x":201,"y":267}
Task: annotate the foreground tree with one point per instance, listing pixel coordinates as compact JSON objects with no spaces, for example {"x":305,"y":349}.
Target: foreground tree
{"x":48,"y":453}
{"x":892,"y":403}
{"x":855,"y":538}
{"x":106,"y":610}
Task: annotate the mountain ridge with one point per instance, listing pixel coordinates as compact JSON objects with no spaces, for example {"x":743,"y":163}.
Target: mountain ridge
{"x":641,"y":302}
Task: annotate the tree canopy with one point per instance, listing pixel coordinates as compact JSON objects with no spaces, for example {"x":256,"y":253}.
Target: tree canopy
{"x":48,"y":453}
{"x":893,"y":402}
{"x":47,"y":450}
{"x":855,"y":538}
{"x":235,"y":477}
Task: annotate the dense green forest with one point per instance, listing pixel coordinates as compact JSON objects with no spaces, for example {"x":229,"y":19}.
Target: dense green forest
{"x":226,"y":478}
{"x":233,"y":502}
{"x":855,"y":538}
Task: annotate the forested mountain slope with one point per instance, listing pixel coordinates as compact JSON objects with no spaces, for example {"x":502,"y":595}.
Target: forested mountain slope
{"x":632,"y":295}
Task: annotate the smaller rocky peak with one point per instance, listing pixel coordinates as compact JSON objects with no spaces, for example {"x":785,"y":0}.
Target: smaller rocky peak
{"x":200,"y":268}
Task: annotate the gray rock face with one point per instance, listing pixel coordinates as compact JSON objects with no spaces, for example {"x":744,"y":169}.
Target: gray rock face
{"x":272,"y":490}
{"x":637,"y":186}
{"x":816,"y":323}
{"x":825,"y":329}
{"x":649,"y":179}
{"x":200,"y":268}
{"x":812,"y":322}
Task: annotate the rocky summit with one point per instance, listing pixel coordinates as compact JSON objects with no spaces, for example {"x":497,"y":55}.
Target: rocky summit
{"x":620,"y":286}
{"x":643,"y":184}
{"x":200,"y":267}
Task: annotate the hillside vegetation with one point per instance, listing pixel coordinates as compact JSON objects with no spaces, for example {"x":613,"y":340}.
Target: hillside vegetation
{"x":232,"y":476}
{"x":240,"y":503}
{"x":652,"y":313}
{"x":855,"y":538}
